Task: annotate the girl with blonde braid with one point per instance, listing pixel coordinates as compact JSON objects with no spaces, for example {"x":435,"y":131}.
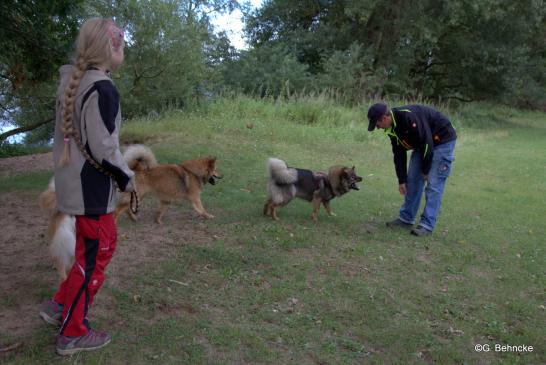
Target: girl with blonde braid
{"x":89,"y":168}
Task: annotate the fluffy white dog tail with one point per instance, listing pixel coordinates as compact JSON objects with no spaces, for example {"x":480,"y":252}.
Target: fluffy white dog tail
{"x":61,"y":232}
{"x":62,"y":245}
{"x":280,"y":173}
{"x":139,"y":157}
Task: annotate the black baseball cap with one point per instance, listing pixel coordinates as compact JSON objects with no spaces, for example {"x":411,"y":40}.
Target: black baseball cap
{"x":375,"y":113}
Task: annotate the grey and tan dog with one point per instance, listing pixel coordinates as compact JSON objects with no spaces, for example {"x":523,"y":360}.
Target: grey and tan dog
{"x":317,"y":187}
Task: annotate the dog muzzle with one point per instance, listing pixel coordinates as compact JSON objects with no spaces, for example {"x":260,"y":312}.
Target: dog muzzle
{"x":212,"y":179}
{"x":353,"y":185}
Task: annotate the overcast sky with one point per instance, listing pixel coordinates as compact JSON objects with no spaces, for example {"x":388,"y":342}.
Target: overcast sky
{"x":232,"y":24}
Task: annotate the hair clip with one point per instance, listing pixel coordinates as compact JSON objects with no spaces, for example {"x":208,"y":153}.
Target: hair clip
{"x":116,"y":35}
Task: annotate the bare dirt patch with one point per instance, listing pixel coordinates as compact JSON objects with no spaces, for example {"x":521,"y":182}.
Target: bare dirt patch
{"x":22,"y":270}
{"x":27,"y":275}
{"x":29,"y":163}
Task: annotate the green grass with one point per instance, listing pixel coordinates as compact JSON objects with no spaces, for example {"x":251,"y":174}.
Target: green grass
{"x":345,"y":290}
{"x":25,"y":181}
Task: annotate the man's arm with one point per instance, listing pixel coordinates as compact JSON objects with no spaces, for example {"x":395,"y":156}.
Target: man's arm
{"x":400,"y":161}
{"x":426,"y":144}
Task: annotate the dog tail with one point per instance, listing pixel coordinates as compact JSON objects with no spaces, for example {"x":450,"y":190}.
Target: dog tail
{"x":61,"y":230}
{"x":62,"y":240}
{"x":47,"y":199}
{"x":280,"y":173}
{"x":139,"y":157}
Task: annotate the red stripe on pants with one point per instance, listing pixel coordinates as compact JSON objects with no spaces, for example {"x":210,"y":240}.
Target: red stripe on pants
{"x":95,"y":244}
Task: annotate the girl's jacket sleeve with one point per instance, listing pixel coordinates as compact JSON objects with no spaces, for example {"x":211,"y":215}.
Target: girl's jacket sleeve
{"x":102,"y":120}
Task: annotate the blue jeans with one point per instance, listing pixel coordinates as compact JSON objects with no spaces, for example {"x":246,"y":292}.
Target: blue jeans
{"x":439,"y":172}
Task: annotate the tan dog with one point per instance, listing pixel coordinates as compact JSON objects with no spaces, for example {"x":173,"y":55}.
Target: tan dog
{"x":168,"y":182}
{"x":61,"y":232}
{"x":317,"y":187}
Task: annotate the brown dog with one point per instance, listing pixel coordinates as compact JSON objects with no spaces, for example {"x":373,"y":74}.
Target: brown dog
{"x":314,"y":186}
{"x":168,"y":182}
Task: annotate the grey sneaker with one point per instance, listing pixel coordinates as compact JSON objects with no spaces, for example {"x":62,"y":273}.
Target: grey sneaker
{"x":93,"y":340}
{"x":420,"y":231}
{"x":397,"y":223}
{"x":51,"y":312}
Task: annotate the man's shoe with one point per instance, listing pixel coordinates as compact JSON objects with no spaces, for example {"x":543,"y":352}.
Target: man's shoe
{"x":51,"y":312}
{"x":420,"y":231}
{"x":398,"y":223}
{"x":93,"y":340}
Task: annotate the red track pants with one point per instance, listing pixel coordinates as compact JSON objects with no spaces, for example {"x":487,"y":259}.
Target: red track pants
{"x":96,"y":239}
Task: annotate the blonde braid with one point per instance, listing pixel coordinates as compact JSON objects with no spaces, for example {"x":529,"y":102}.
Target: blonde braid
{"x":68,"y":108}
{"x":68,"y":119}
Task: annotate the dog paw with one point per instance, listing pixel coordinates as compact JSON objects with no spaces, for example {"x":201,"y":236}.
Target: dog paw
{"x":332,"y":214}
{"x":207,"y":216}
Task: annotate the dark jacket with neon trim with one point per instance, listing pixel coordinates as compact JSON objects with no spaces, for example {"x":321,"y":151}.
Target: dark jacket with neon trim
{"x":419,"y":128}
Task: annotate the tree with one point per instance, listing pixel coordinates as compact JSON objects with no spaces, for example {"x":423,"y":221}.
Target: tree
{"x":170,"y":51}
{"x":267,"y":71}
{"x":35,"y":38}
{"x":172,"y":55}
{"x":466,"y":50}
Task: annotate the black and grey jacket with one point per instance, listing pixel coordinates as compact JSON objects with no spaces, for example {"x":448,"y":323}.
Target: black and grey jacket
{"x":419,"y":128}
{"x":81,"y":189}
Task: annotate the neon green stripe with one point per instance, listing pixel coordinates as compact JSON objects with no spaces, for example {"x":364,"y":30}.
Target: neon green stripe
{"x":426,"y":150}
{"x":393,"y":120}
{"x":390,"y":132}
{"x":404,"y":110}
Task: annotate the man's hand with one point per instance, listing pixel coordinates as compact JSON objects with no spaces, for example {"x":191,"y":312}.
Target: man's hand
{"x":402,"y":189}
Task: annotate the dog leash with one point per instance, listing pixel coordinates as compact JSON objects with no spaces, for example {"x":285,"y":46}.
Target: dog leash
{"x":96,"y":165}
{"x":134,"y":197}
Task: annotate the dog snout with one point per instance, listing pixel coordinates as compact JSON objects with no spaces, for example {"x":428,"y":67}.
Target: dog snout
{"x":354,"y":181}
{"x":215,"y":175}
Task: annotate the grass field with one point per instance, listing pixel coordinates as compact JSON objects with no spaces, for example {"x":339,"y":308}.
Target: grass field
{"x":242,"y":289}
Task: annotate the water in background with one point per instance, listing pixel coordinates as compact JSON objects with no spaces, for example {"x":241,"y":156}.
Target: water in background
{"x":18,"y":138}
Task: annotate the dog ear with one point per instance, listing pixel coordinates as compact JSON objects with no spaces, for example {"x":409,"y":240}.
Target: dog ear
{"x":211,"y":160}
{"x":196,"y":167}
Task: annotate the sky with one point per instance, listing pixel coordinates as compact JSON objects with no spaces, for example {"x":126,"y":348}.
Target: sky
{"x":232,"y":24}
